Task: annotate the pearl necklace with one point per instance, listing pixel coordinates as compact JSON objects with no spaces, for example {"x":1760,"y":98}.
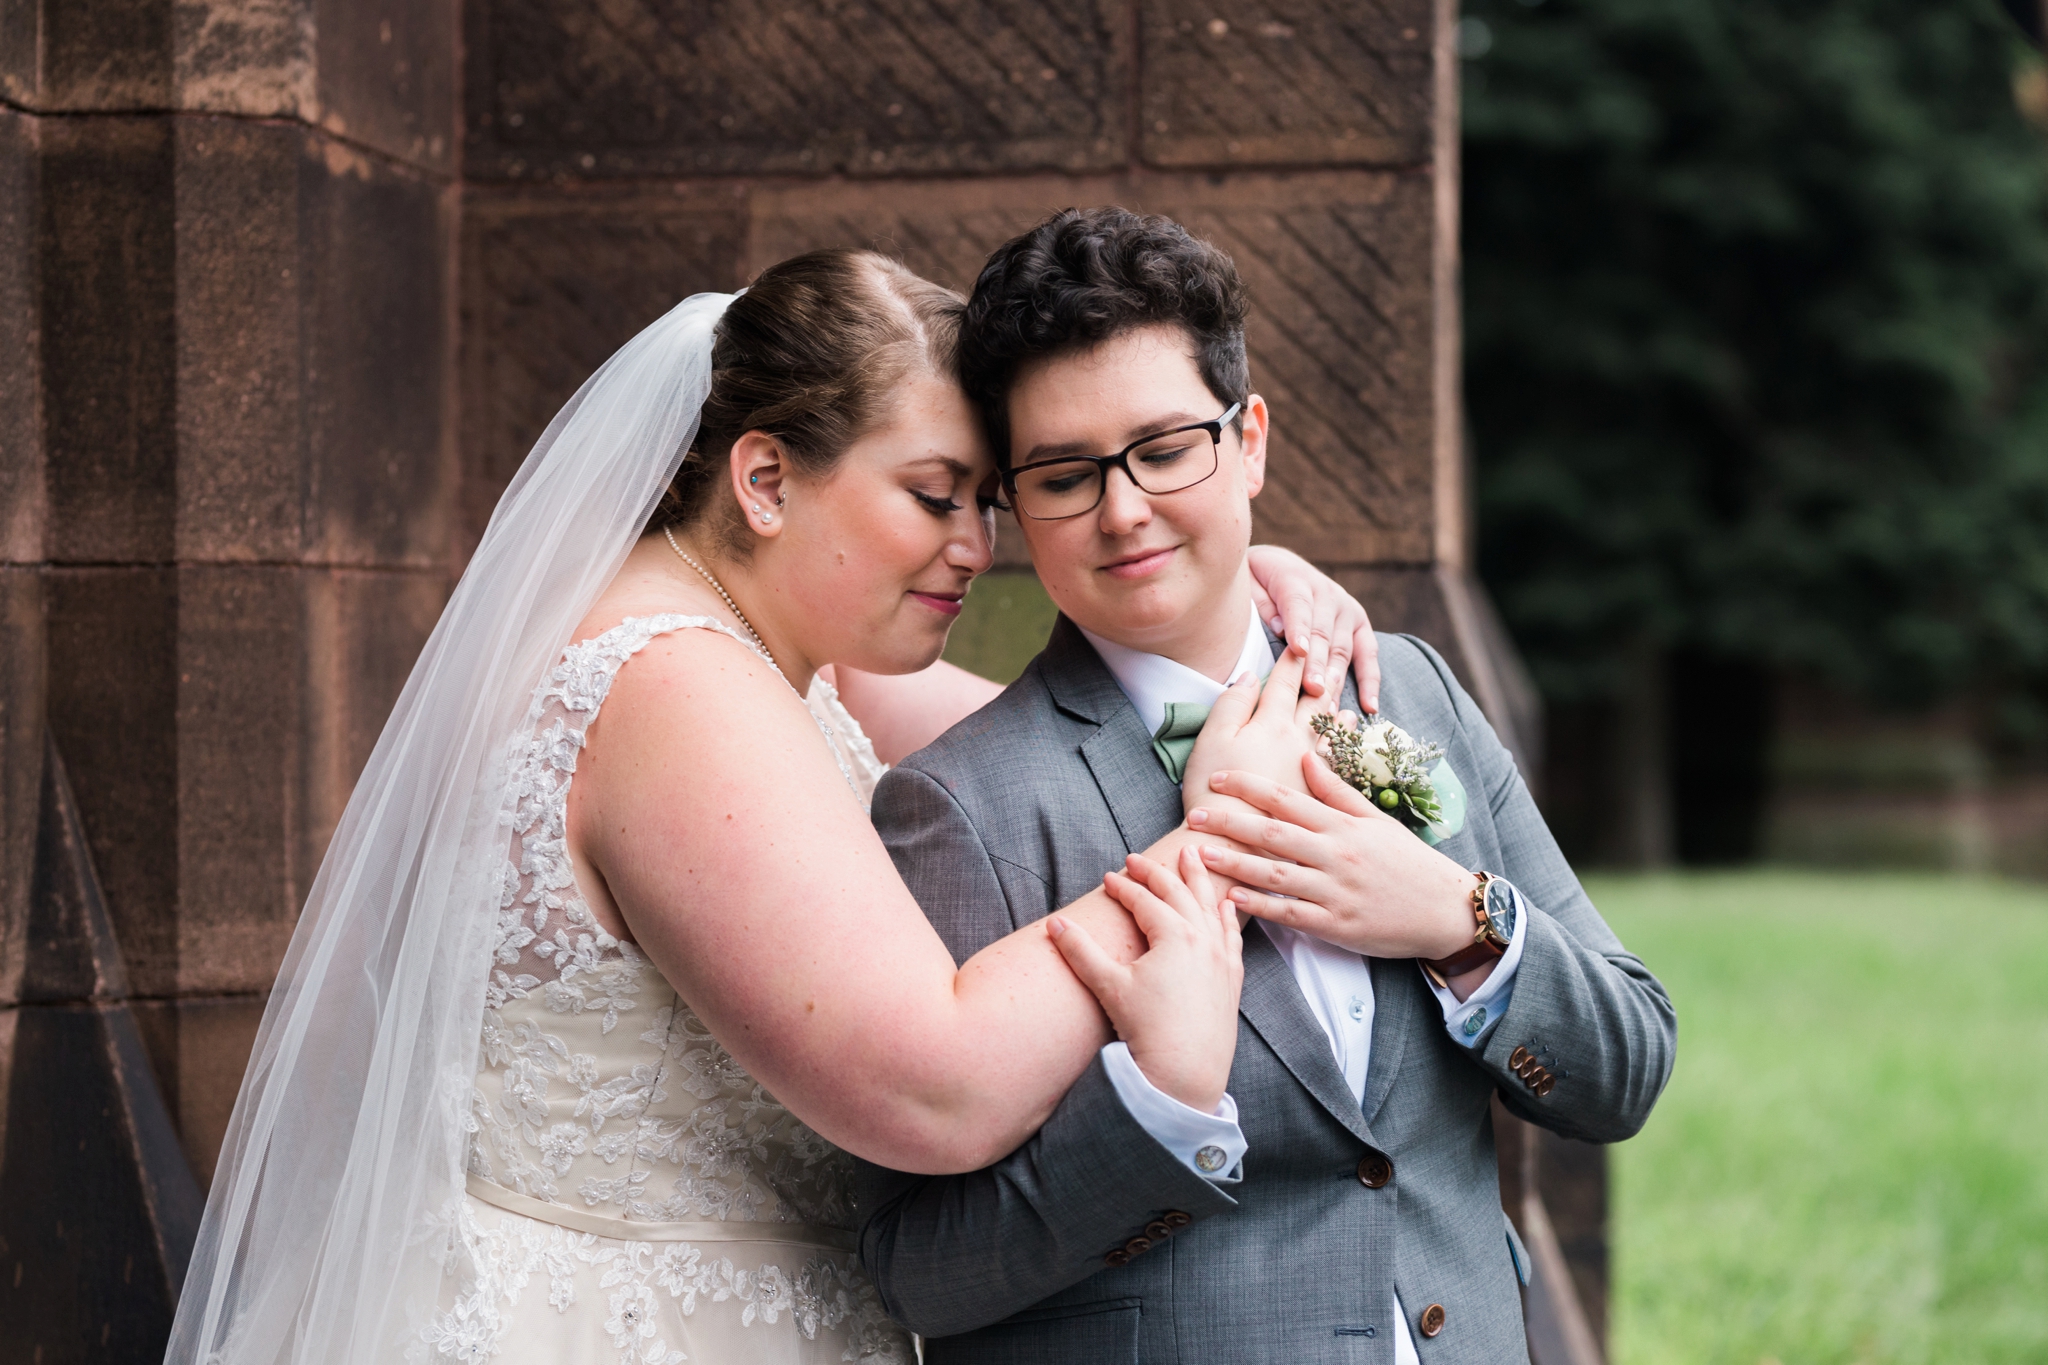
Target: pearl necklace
{"x":732,"y":606}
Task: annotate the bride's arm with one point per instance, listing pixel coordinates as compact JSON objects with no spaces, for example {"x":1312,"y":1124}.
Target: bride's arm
{"x":726,"y":836}
{"x":1318,"y":618}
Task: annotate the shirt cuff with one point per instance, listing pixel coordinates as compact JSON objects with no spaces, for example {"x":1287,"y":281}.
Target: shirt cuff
{"x":1469,"y":1022}
{"x":1210,"y":1145}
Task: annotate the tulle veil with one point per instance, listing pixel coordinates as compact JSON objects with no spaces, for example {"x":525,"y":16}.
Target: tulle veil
{"x":327,"y":1211}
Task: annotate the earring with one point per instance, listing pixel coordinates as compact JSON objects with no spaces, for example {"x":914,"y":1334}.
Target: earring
{"x":753,"y":478}
{"x":781,"y":498}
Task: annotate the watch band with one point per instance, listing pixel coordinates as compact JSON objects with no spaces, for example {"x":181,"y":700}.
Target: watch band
{"x":1481,"y":950}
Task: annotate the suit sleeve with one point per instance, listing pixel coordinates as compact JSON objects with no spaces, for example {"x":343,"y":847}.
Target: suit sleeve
{"x":1584,"y":1008}
{"x":949,"y":1254}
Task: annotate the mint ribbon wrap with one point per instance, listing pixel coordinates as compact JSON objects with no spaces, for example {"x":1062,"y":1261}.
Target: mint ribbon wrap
{"x":1450,"y":798}
{"x":1174,"y":740}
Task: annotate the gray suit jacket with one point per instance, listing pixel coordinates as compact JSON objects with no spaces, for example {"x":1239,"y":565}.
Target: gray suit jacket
{"x":1020,"y":809}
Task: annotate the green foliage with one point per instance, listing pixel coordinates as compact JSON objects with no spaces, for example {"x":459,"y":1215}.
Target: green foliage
{"x":1846,"y":1165}
{"x":1002,"y":626}
{"x":1757,"y":338}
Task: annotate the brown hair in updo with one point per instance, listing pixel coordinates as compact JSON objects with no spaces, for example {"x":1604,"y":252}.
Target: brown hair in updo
{"x":811,"y":354}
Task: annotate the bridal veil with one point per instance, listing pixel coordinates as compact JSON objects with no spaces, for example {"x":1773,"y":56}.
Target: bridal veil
{"x":347,"y":1141}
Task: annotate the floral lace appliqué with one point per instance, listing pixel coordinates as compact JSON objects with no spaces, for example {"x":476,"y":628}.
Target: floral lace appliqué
{"x":599,"y":1089}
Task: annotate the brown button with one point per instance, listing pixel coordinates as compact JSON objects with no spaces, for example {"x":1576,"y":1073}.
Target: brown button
{"x":1374,"y":1171}
{"x":1432,"y":1320}
{"x":1546,"y":1085}
{"x":1157,"y":1230}
{"x":1117,"y":1258}
{"x":1517,"y":1057}
{"x":1175,"y":1219}
{"x":1137,"y":1246}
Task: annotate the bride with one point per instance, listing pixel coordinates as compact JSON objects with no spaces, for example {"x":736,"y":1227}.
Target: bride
{"x":605,"y":970}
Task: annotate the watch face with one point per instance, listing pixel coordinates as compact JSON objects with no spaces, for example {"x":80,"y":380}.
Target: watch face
{"x":1500,"y":909}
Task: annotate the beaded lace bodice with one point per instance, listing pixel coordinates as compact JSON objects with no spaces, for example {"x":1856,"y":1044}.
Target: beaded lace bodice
{"x":597,"y":1087}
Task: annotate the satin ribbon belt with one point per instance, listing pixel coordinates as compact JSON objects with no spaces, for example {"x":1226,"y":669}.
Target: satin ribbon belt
{"x":632,"y":1230}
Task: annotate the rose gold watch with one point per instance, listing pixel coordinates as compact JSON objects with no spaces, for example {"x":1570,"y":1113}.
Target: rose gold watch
{"x":1494,"y":909}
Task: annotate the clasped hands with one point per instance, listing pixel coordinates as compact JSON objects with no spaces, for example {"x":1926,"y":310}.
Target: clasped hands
{"x":1307,"y":850}
{"x":1276,"y":835}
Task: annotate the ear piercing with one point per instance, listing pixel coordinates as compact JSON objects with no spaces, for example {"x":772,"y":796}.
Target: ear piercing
{"x":764,"y":516}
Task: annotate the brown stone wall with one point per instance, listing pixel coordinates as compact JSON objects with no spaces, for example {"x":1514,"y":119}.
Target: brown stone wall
{"x":228,"y":477}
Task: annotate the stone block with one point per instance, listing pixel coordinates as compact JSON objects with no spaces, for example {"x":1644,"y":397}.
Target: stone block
{"x":673,"y":87}
{"x":387,"y":76}
{"x":240,"y":372}
{"x":198,"y":1048}
{"x":112,"y":708}
{"x":106,"y":266}
{"x":552,"y":286}
{"x":376,"y":261}
{"x":313,"y":301}
{"x":239,"y":718}
{"x":1297,"y":82}
{"x":382,"y":73}
{"x":21,"y":758}
{"x":87,"y":54}
{"x":363,"y":633}
{"x":21,"y":423}
{"x":1339,"y":269}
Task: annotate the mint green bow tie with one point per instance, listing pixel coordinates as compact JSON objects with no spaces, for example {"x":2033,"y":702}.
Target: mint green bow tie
{"x":1174,"y":740}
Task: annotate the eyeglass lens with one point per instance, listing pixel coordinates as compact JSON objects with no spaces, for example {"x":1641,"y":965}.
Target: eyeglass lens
{"x":1165,"y":464}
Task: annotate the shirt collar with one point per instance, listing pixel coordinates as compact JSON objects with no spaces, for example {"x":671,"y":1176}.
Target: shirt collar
{"x":1152,"y":680}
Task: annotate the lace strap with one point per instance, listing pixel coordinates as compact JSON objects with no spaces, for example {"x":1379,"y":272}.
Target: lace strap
{"x":584,"y":678}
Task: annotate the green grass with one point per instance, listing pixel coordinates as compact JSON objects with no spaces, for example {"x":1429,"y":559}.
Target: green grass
{"x":1851,"y":1162}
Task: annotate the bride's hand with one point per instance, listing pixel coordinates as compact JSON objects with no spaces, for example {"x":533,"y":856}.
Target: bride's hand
{"x":1258,"y":731}
{"x":1320,"y":621}
{"x":1176,"y":1006}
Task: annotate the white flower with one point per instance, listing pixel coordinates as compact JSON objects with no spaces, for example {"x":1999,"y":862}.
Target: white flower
{"x":1377,"y":747}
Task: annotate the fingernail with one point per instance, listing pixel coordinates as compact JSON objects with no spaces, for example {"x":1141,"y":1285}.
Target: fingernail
{"x":1316,"y":678}
{"x":1278,"y":625}
{"x":1055,"y":926}
{"x":1216,"y":780}
{"x":1373,"y":702}
{"x":1198,"y":816}
{"x":1211,"y":855}
{"x":1240,"y":896}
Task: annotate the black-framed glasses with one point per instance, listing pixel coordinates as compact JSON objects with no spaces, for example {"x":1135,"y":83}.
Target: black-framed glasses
{"x":1071,"y":486}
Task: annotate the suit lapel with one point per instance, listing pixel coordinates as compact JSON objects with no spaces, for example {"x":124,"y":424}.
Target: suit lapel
{"x":1142,"y":800}
{"x":1273,"y":1005}
{"x":1393,"y":987}
{"x":1146,"y":805}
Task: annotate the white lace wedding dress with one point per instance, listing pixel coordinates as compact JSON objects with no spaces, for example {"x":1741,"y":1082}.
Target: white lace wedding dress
{"x":634,"y":1196}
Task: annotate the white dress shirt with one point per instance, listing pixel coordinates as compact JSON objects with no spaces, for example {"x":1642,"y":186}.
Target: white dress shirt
{"x":1336,"y":983}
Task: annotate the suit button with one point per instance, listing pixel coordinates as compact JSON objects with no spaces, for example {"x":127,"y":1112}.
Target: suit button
{"x":1157,"y":1230}
{"x":1432,"y":1320}
{"x":1374,"y":1171}
{"x":1546,"y":1085}
{"x":1137,"y":1246}
{"x":1117,"y":1258}
{"x":1517,"y":1058}
{"x":1175,"y":1219}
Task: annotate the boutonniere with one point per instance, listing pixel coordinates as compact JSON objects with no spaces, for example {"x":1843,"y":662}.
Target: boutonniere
{"x":1407,"y":778}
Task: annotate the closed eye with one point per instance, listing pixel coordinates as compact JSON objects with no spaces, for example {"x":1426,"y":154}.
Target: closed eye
{"x":938,"y":507}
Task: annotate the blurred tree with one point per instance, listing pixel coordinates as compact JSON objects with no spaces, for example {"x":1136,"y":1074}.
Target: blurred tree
{"x":1756,"y":301}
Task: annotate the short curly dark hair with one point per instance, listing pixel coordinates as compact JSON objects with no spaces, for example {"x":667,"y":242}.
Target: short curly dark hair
{"x":1085,"y":275}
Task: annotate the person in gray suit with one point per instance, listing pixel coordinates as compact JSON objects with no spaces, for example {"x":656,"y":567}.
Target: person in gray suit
{"x":1340,"y":1203}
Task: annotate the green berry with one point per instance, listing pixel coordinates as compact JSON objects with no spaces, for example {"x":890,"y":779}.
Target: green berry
{"x":1389,"y":798}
